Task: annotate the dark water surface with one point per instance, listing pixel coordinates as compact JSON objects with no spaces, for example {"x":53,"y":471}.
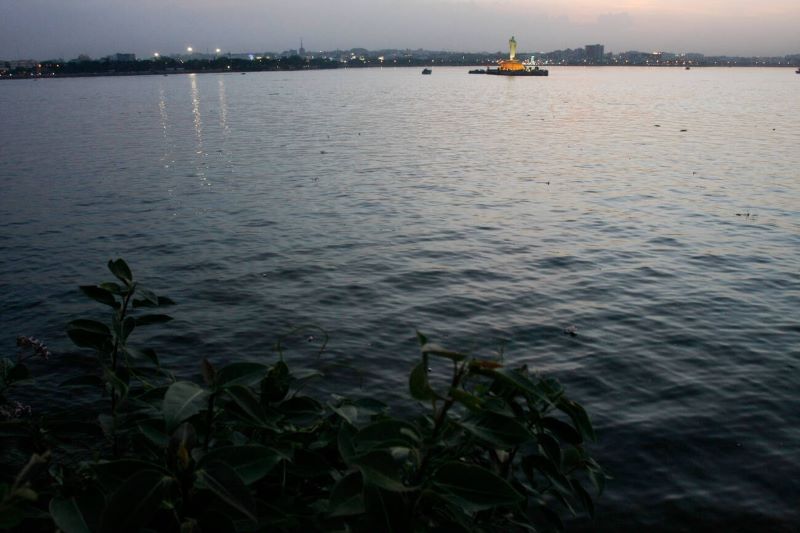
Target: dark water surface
{"x":489,"y":213}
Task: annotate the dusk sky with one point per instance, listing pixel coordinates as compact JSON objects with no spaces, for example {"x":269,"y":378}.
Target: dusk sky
{"x":44,"y":29}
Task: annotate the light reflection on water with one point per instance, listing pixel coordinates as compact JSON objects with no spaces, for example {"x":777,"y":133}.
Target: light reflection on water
{"x":486,"y":212}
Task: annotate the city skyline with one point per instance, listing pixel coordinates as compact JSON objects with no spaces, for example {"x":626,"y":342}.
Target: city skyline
{"x":45,"y":28}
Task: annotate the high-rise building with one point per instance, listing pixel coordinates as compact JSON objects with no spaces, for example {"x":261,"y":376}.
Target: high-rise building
{"x":595,"y":53}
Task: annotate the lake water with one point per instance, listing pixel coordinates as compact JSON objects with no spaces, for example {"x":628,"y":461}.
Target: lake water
{"x":655,"y":210}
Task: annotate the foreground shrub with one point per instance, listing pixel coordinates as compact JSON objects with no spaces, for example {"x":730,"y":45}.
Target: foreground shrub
{"x":493,"y":449}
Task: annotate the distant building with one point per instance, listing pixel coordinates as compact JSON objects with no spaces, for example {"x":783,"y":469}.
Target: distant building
{"x":595,"y":53}
{"x":22,"y":63}
{"x":123,"y":57}
{"x":302,"y":51}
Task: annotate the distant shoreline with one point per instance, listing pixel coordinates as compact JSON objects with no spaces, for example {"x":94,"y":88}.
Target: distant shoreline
{"x":350,"y":67}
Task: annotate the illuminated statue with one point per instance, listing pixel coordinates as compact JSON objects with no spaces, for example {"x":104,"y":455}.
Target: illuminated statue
{"x":512,"y":63}
{"x":513,"y":66}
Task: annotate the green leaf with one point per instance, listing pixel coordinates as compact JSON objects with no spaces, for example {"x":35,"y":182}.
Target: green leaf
{"x":250,"y":406}
{"x":111,"y":474}
{"x":473,"y":488}
{"x":154,"y":435}
{"x":121,"y":270}
{"x":552,"y":517}
{"x":275,"y":384}
{"x":240,"y":374}
{"x":163,"y":301}
{"x":302,"y":411}
{"x":497,"y":430}
{"x":572,"y":458}
{"x":386,"y":434}
{"x":89,"y":325}
{"x":550,"y":470}
{"x":344,"y":441}
{"x":381,"y":470}
{"x":562,"y":430}
{"x":145,"y":320}
{"x":386,"y":511}
{"x":550,"y":447}
{"x":182,"y":441}
{"x":250,"y":462}
{"x":147,"y":295}
{"x":471,"y":402}
{"x":370,"y":406}
{"x":89,"y":334}
{"x":598,"y":479}
{"x":579,"y":418}
{"x":347,"y":496}
{"x":519,"y":381}
{"x":418,"y":383}
{"x":127,"y":327}
{"x":209,"y":372}
{"x":182,"y":400}
{"x":585,"y":498}
{"x":226,"y":484}
{"x":552,"y":389}
{"x":67,"y":516}
{"x":100,"y":294}
{"x":134,"y":503}
{"x":113,"y":288}
{"x":117,"y":381}
{"x":435,"y":349}
{"x":347,"y":411}
{"x":309,"y":464}
{"x":148,"y":354}
{"x":158,"y":301}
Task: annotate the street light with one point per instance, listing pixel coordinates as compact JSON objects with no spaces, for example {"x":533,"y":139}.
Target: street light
{"x":218,"y":50}
{"x":189,"y":49}
{"x":156,"y":55}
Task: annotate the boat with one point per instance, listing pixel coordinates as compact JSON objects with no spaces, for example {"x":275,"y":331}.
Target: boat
{"x":688,"y":68}
{"x":426,"y":71}
{"x":477,"y":71}
{"x":797,"y":71}
{"x":535,"y":71}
